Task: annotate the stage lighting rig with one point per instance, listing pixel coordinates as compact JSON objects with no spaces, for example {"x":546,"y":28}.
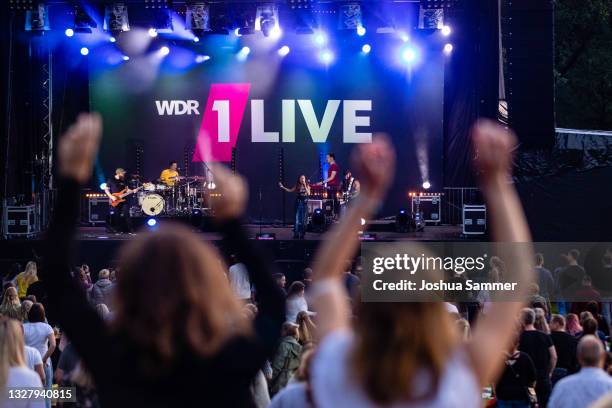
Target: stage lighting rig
{"x":116,"y":17}
{"x":83,"y":23}
{"x":431,"y":13}
{"x":197,"y":17}
{"x":37,"y":18}
{"x":350,"y":17}
{"x":266,"y":20}
{"x":304,"y":20}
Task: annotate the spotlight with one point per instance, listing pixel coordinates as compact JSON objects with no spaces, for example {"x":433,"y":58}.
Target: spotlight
{"x":84,"y":51}
{"x":196,"y":39}
{"x":320,"y":38}
{"x":112,"y":39}
{"x":448,"y":48}
{"x":446,"y":31}
{"x":363,"y":222}
{"x":151,"y":222}
{"x":237,"y":32}
{"x":284,"y":50}
{"x":366,"y":48}
{"x":327,"y":56}
{"x":201,"y":58}
{"x":243,"y":53}
{"x":212,"y":185}
{"x":126,"y":58}
{"x":69,"y":32}
{"x":276,"y":32}
{"x":103,"y":186}
{"x":427,"y":185}
{"x":152,"y":32}
{"x":164,"y":50}
{"x":361,"y":31}
{"x":409,"y":55}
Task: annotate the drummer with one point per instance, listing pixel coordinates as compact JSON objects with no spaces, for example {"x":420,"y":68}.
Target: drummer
{"x":170,"y":175}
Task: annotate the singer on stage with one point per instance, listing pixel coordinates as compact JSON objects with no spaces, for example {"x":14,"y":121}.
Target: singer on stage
{"x":302,"y":190}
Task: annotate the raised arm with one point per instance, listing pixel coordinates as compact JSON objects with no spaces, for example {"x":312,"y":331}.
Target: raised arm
{"x":282,"y":186}
{"x":376,"y":164}
{"x":76,"y":154}
{"x":271,"y":301}
{"x":494,"y":330}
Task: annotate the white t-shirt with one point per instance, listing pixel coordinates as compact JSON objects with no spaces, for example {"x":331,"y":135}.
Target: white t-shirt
{"x":239,"y":280}
{"x":333,"y":385}
{"x":33,"y":357}
{"x":293,"y":395}
{"x":295,"y":305}
{"x":36,"y":334}
{"x":22,"y":377}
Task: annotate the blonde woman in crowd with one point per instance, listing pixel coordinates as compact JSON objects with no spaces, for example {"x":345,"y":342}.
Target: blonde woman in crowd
{"x":26,"y":278}
{"x":11,"y":306}
{"x":408,"y":354}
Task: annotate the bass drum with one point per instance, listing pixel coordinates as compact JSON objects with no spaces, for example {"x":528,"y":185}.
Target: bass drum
{"x":152,"y":204}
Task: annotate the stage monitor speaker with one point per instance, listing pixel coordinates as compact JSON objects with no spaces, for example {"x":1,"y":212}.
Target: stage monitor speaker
{"x":474,"y":219}
{"x":20,"y":221}
{"x":527,"y":33}
{"x":97,"y":210}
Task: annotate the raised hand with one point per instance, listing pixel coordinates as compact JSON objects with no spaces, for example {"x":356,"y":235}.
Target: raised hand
{"x":375,"y":164}
{"x":493,"y":146}
{"x":234,"y":193}
{"x":78,"y":147}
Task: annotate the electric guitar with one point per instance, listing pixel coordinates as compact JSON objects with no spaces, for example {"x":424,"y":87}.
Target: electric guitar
{"x":124,"y":193}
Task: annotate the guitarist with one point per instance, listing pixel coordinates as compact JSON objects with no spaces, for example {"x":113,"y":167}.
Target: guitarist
{"x":118,"y":184}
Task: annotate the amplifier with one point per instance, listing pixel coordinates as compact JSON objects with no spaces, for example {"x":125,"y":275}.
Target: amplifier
{"x":474,"y":219}
{"x":97,"y":210}
{"x":20,"y":221}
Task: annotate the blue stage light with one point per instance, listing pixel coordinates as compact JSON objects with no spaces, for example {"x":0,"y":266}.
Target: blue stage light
{"x":320,"y":38}
{"x":446,"y":31}
{"x":84,"y":51}
{"x":201,"y":58}
{"x":126,"y":58}
{"x":243,"y":53}
{"x":69,"y":32}
{"x":112,"y":39}
{"x":361,"y":31}
{"x":151,"y":222}
{"x":366,"y":48}
{"x":427,"y":185}
{"x":409,"y":54}
{"x":326,"y":56}
{"x":237,"y":32}
{"x":448,"y":48}
{"x":196,"y":39}
{"x":284,"y":50}
{"x":164,"y":50}
{"x":152,"y":32}
{"x":103,"y":186}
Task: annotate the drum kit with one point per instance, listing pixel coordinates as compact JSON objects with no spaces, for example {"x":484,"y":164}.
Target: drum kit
{"x":187,"y":194}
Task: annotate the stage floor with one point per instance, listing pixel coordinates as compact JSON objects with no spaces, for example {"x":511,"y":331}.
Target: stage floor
{"x":285,"y":233}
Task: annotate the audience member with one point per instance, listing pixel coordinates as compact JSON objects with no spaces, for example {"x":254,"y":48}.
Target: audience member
{"x":298,"y":393}
{"x":589,"y":384}
{"x":573,"y":324}
{"x":570,"y":276}
{"x":565,"y":346}
{"x":407,"y":354}
{"x":26,"y":278}
{"x":239,"y":279}
{"x":14,"y":374}
{"x":287,"y":358}
{"x":38,"y":334}
{"x":306,"y":328}
{"x":544,"y":278}
{"x":281,"y":281}
{"x":296,"y":302}
{"x":178,"y":337}
{"x":11,"y":306}
{"x":102,"y":290}
{"x":541,"y":349}
{"x":515,"y":387}
{"x":540,"y":323}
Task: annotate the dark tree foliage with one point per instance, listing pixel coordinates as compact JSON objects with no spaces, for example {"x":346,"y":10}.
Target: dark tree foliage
{"x":583,"y":64}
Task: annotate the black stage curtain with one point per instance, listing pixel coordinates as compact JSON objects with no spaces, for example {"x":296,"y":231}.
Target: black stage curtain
{"x":471,"y":84}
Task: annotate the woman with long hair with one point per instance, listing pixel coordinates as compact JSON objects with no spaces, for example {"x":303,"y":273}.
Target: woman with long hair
{"x":14,"y":374}
{"x":407,"y":354}
{"x":573,"y":324}
{"x":26,"y":278}
{"x":540,"y":321}
{"x":11,"y":306}
{"x":41,"y":336}
{"x":302,"y":191}
{"x":306,"y":327}
{"x":296,"y":302}
{"x":178,"y":335}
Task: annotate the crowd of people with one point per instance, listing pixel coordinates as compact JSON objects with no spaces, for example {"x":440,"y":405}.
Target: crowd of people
{"x":172,"y":325}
